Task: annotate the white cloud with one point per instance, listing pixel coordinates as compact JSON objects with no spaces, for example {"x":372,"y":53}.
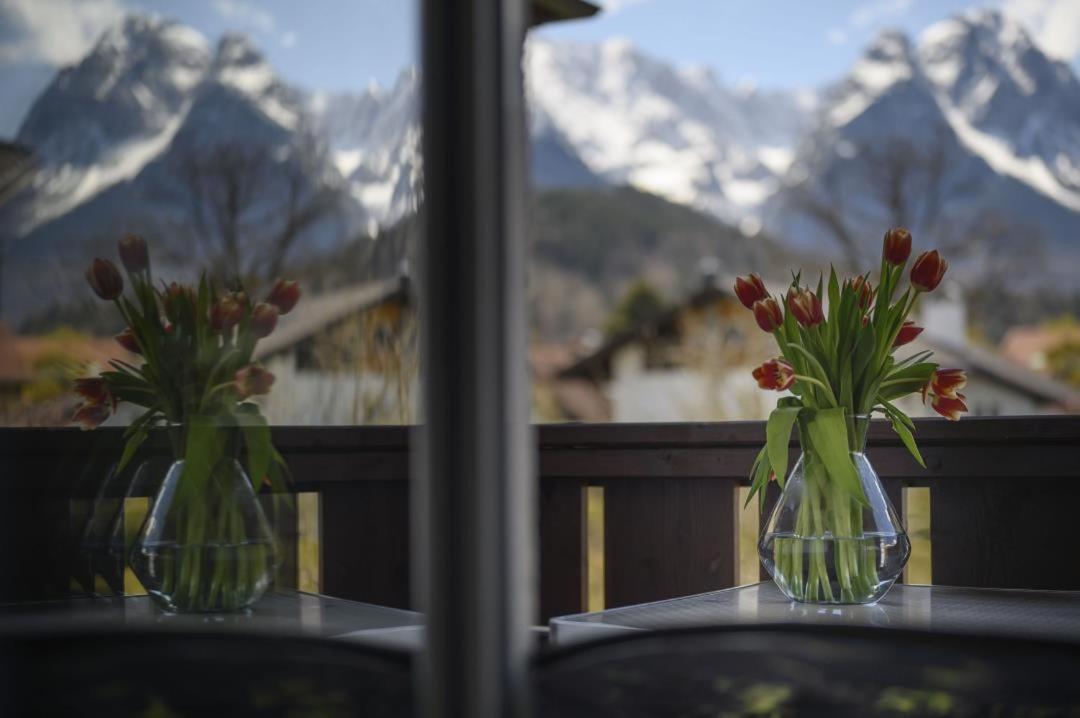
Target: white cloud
{"x":837,"y":36}
{"x":57,"y":32}
{"x":248,"y":14}
{"x":1054,"y":23}
{"x":872,"y":13}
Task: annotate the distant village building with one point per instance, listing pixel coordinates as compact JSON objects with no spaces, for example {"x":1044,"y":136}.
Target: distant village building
{"x":36,"y":373}
{"x":345,"y":357}
{"x":693,"y":363}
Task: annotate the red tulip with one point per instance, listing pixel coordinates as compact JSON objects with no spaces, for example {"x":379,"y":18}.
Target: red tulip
{"x":104,"y":279}
{"x":946,"y":382}
{"x":949,"y":407}
{"x":897,"y":246}
{"x":768,"y":314}
{"x":176,"y":296}
{"x":806,"y":306}
{"x":127,"y":340}
{"x":907,"y":334}
{"x":927,"y":271}
{"x":750,"y":290}
{"x":93,"y":390}
{"x":225,"y":314}
{"x":133,"y":253}
{"x":284,"y":295}
{"x":263,"y":320}
{"x":252,"y":380}
{"x":775,"y":374}
{"x":864,"y":289}
{"x":91,"y":416}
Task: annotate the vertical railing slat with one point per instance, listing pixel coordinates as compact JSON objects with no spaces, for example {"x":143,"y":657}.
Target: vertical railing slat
{"x":668,"y":537}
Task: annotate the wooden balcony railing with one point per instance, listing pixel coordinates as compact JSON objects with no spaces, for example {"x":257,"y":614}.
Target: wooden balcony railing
{"x":1004,"y":505}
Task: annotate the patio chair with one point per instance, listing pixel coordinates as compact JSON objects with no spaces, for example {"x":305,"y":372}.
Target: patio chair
{"x":808,"y":670}
{"x":199,"y":674}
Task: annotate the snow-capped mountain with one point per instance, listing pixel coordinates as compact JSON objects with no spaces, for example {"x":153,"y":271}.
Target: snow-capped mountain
{"x":969,"y":127}
{"x":679,"y":133}
{"x":374,"y":139}
{"x":157,"y":132}
{"x":969,"y":121}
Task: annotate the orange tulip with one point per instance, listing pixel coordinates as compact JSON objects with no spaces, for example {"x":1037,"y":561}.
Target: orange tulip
{"x":768,"y":314}
{"x":225,"y":314}
{"x":94,"y":390}
{"x":863,"y":289}
{"x":91,"y":416}
{"x":284,"y":295}
{"x":104,"y":279}
{"x":806,"y":306}
{"x":949,"y":407}
{"x":907,"y":334}
{"x":127,"y":340}
{"x":253,"y":380}
{"x":263,"y":320}
{"x":897,"y":246}
{"x":750,"y":290}
{"x":133,"y":253}
{"x":927,"y":271}
{"x":946,"y":382}
{"x":775,"y":374}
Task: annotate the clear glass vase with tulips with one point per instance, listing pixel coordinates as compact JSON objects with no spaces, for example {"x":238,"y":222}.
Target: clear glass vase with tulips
{"x":833,"y":536}
{"x":206,"y":544}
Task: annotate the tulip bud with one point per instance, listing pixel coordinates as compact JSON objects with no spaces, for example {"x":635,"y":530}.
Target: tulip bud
{"x":927,"y":271}
{"x":768,"y":314}
{"x":91,"y":416}
{"x":284,"y":295}
{"x":225,"y":314}
{"x":897,"y":246}
{"x":806,"y":307}
{"x":263,"y":320}
{"x":176,"y":296}
{"x":253,"y":380}
{"x":133,"y":253}
{"x":949,"y":407}
{"x":946,"y":382}
{"x":907,"y":334}
{"x":750,"y":289}
{"x":775,"y":374}
{"x":104,"y":279}
{"x":863,"y":289}
{"x":127,"y":340}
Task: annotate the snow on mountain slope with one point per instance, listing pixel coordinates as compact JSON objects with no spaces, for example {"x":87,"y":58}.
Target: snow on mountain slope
{"x":1007,"y":101}
{"x":101,"y":121}
{"x":972,"y":125}
{"x":676,"y":132}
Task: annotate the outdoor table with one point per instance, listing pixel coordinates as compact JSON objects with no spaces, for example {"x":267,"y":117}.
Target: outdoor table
{"x":289,"y":613}
{"x":1051,"y":615}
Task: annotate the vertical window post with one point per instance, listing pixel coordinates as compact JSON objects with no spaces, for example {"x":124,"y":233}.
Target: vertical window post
{"x":473,"y":500}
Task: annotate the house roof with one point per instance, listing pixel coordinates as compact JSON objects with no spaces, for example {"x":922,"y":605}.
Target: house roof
{"x":975,"y":359}
{"x":312,"y":314}
{"x":544,"y":11}
{"x":20,"y":355}
{"x":1024,"y":344}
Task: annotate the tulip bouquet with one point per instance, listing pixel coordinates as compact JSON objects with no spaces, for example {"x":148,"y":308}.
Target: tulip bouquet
{"x":196,"y":379}
{"x":836,"y":359}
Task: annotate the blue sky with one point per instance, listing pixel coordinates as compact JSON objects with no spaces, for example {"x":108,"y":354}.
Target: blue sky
{"x":345,"y":44}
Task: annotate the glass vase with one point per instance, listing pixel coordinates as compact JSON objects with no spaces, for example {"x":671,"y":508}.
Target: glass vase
{"x":206,"y":545}
{"x":825,"y":543}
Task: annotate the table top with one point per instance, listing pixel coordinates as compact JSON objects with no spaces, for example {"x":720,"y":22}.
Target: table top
{"x":281,"y":613}
{"x":1031,"y":614}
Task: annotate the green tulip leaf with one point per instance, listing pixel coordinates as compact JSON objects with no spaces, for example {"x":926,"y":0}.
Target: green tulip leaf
{"x":778,"y":437}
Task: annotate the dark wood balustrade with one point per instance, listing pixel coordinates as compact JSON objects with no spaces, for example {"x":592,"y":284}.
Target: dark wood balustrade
{"x":1005,"y":496}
